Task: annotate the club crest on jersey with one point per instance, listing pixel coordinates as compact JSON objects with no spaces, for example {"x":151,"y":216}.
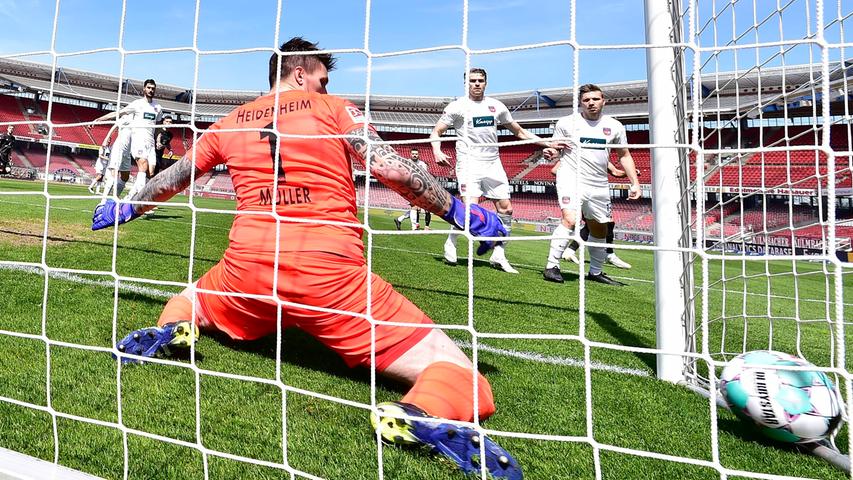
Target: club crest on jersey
{"x":355,"y":114}
{"x":492,"y":109}
{"x":565,"y":200}
{"x":606,"y":130}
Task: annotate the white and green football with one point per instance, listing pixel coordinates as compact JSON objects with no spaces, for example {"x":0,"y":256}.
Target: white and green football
{"x":794,"y":406}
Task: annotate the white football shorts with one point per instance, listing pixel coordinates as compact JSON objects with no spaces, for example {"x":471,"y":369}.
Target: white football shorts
{"x":142,"y":148}
{"x":482,"y":179}
{"x":101,"y":165}
{"x":594,"y":201}
{"x":120,"y":158}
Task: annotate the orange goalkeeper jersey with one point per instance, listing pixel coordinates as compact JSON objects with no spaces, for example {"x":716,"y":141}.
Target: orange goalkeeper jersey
{"x":304,"y":179}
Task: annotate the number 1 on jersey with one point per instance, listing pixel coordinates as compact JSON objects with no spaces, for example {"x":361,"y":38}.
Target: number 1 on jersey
{"x":274,"y":155}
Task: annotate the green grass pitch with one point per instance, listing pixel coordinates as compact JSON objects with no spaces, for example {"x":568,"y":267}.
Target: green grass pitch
{"x":540,"y":385}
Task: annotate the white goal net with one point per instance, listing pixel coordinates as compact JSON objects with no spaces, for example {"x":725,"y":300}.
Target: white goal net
{"x":742,"y":242}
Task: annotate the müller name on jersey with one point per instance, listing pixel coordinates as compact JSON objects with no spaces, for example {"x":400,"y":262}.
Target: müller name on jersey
{"x":286,"y":196}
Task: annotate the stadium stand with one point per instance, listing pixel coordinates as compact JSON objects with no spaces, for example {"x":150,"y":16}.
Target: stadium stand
{"x":797,"y":171}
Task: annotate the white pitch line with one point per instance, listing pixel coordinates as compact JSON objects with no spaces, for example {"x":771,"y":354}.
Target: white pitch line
{"x":549,"y":359}
{"x":529,"y":356}
{"x":476,"y":260}
{"x":463,"y":260}
{"x":129,"y":287}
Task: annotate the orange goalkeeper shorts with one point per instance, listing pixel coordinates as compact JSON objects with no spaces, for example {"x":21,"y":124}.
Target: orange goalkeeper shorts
{"x":312,"y":279}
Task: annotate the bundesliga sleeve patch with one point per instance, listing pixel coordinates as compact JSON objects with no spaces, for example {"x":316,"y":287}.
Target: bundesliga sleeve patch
{"x":355,"y":114}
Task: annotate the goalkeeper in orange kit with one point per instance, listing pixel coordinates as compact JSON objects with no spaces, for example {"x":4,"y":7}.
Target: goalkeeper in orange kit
{"x":296,"y":204}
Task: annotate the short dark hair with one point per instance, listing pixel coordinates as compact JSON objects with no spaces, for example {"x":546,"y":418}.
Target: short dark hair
{"x":288,"y":62}
{"x":589,"y":87}
{"x":479,"y":70}
{"x":415,"y":149}
{"x":147,"y":81}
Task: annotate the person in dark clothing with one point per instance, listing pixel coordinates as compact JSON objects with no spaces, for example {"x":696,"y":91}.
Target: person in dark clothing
{"x":7,"y":142}
{"x":163,"y":143}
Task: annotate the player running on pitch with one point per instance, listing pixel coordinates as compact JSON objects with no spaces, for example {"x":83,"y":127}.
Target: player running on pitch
{"x":141,"y":116}
{"x":414,"y":212}
{"x":582,"y":177}
{"x":476,"y":119}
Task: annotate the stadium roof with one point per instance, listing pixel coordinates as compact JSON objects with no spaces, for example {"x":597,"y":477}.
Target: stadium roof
{"x":726,"y":93}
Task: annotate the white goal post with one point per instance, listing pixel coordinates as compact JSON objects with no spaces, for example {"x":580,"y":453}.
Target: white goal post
{"x":673,"y":285}
{"x":711,"y":263}
{"x":680,"y":60}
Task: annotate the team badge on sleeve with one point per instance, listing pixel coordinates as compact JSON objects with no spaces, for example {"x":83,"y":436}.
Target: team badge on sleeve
{"x":355,"y":114}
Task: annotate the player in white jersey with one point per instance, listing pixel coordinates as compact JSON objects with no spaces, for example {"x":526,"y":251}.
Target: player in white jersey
{"x":143,"y":114}
{"x":476,"y":119}
{"x":101,"y":165}
{"x":118,"y":167}
{"x":582,"y":180}
{"x":414,"y":211}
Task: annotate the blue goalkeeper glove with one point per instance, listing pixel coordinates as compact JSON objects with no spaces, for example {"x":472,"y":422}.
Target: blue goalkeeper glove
{"x":483,"y":223}
{"x":105,"y":215}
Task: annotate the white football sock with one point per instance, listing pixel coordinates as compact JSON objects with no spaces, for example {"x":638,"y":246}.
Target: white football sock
{"x":506,"y":220}
{"x":413,"y":216}
{"x":597,"y":255}
{"x":138,"y":185}
{"x":558,"y":245}
{"x":451,"y":241}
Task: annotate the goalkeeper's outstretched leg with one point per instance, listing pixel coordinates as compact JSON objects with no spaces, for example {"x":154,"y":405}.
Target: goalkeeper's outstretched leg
{"x":443,"y":381}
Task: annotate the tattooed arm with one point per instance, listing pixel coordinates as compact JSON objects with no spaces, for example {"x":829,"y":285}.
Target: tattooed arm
{"x":166,"y":185}
{"x":399,"y":173}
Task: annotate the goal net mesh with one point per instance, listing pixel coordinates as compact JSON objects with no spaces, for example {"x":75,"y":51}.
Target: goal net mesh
{"x":764,"y":142}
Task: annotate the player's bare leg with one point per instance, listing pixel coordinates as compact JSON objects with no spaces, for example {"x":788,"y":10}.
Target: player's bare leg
{"x":450,"y":256}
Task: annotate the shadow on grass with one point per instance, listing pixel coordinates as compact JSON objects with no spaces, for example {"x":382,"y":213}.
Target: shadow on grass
{"x":158,"y":216}
{"x":749,"y":433}
{"x":561,"y":308}
{"x":302,"y":350}
{"x":625,"y":337}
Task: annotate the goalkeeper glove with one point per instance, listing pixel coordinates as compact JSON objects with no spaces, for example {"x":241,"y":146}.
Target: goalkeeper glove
{"x":105,"y":214}
{"x":483,"y":223}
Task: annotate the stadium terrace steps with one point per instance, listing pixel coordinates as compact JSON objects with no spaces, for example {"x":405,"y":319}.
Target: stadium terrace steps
{"x":20,"y":160}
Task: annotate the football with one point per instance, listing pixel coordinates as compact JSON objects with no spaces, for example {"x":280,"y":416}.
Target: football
{"x":794,"y":406}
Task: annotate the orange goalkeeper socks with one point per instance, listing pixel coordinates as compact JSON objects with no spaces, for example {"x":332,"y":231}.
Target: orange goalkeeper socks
{"x":177,"y":309}
{"x":445,"y":389}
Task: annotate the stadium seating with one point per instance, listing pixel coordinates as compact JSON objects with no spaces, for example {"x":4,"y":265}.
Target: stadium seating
{"x":61,"y":115}
{"x":11,"y":112}
{"x":794,"y":169}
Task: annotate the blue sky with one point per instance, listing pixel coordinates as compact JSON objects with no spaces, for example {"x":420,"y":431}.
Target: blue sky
{"x":395,"y":26}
